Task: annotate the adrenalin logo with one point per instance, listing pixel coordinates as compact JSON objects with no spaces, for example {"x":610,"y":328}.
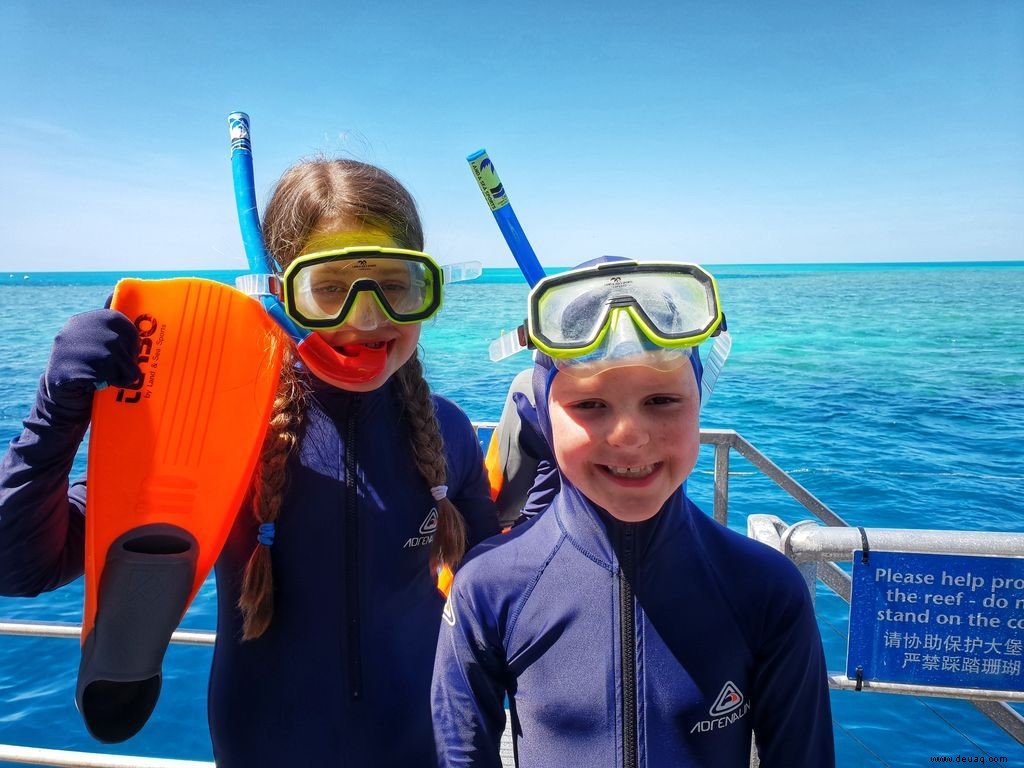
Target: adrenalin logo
{"x":147,"y":325}
{"x":727,"y":700}
{"x":429,"y":525}
{"x":427,"y":528}
{"x":729,"y":707}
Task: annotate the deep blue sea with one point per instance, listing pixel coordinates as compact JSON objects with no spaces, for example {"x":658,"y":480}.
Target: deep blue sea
{"x":893,"y":392}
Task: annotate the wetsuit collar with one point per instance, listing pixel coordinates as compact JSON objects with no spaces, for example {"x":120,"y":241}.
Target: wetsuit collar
{"x":598,"y":535}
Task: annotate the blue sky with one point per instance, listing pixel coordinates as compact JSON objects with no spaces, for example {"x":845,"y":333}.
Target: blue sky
{"x":716,"y":132}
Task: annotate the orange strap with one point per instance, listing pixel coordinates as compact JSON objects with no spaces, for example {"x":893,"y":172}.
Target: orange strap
{"x":445,"y":577}
{"x":492,"y":465}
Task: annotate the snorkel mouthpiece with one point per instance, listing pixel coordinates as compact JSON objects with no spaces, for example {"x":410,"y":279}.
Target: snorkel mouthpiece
{"x":356,"y":364}
{"x":363,"y":361}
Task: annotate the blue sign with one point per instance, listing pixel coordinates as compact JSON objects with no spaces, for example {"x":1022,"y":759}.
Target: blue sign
{"x":946,"y":620}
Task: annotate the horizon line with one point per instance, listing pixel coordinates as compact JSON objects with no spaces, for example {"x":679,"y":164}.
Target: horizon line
{"x":243,"y":270}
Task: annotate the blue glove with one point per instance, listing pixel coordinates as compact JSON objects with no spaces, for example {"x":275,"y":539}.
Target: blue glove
{"x":93,"y":349}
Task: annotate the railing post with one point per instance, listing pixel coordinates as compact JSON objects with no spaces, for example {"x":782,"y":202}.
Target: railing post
{"x":722,"y":483}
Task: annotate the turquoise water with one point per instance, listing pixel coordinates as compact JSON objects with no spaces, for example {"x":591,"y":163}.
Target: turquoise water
{"x":894,"y":393}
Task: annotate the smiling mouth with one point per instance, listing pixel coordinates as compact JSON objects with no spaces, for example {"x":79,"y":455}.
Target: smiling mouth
{"x":632,"y":473}
{"x":355,"y":350}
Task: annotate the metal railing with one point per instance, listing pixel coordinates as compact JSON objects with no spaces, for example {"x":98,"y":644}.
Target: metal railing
{"x":69,"y":759}
{"x":816,"y":550}
{"x":724,"y":442}
{"x":836,"y":543}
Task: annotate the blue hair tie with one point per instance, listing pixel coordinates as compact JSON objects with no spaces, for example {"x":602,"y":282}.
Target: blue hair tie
{"x":266,"y":534}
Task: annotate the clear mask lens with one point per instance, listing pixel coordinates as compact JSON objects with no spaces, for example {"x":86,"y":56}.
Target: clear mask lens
{"x":623,"y":344}
{"x":321,"y":290}
{"x":365,"y":314}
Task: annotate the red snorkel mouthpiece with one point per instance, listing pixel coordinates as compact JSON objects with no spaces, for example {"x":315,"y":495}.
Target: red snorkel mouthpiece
{"x":358,"y":365}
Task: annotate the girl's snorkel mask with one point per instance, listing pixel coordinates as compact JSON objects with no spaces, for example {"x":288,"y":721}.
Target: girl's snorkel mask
{"x":623,"y":313}
{"x":362,"y":286}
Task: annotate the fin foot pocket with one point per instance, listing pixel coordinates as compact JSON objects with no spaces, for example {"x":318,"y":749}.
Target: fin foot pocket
{"x":145,"y":588}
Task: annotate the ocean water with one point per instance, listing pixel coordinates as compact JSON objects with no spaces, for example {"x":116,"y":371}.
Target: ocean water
{"x":894,"y":393}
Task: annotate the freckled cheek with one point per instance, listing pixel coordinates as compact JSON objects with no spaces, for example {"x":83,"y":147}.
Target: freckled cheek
{"x":410,"y":334}
{"x":683,"y":442}
{"x":405,"y":344}
{"x":572,"y":445}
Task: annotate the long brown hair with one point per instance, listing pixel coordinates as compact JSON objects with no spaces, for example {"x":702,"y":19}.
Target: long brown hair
{"x":342,"y":194}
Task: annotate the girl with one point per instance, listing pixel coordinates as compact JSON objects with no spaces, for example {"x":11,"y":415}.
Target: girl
{"x":626,"y":627}
{"x":327,"y":605}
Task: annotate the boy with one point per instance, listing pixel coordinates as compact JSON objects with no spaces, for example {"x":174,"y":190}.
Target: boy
{"x":625,"y":626}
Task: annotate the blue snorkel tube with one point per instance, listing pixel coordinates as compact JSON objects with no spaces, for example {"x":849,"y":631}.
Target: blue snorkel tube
{"x":261,"y":265}
{"x":263,"y":284}
{"x":245,"y":195}
{"x":494,"y":193}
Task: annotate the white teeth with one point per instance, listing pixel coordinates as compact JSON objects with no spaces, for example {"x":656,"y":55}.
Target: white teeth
{"x":632,"y":471}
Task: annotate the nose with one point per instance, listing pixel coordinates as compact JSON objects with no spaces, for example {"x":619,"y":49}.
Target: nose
{"x":628,"y":431}
{"x":365,"y":314}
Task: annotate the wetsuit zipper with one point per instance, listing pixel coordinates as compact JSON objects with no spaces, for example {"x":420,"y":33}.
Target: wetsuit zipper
{"x":628,"y":643}
{"x":355,"y":657}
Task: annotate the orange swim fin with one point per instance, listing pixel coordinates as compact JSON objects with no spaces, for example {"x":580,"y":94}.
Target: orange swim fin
{"x":170,"y":461}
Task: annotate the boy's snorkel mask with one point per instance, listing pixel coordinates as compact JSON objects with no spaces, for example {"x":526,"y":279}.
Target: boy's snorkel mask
{"x":624,"y":313}
{"x":363,"y":286}
{"x":615,"y":310}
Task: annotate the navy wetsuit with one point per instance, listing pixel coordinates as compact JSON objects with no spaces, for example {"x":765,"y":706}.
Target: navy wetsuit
{"x":342,"y":675}
{"x":661,"y":643}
